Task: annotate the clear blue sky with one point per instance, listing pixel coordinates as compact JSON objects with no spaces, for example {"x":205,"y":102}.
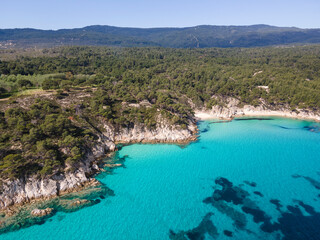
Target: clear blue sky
{"x":56,"y":14}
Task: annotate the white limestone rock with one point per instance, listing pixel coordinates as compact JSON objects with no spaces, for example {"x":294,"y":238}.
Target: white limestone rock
{"x":41,"y":212}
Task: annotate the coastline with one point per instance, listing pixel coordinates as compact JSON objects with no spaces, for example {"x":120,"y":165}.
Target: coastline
{"x":12,"y":209}
{"x":17,"y":205}
{"x":158,"y":141}
{"x":226,"y":114}
{"x":19,"y":192}
{"x":164,"y":133}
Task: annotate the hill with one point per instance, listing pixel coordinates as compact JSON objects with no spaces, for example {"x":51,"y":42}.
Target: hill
{"x":189,"y":37}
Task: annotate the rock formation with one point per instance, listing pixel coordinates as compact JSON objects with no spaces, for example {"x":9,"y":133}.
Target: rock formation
{"x":41,"y":212}
{"x":231,"y":108}
{"x":20,"y":191}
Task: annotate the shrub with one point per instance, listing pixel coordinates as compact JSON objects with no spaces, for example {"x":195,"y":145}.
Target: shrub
{"x":50,"y":84}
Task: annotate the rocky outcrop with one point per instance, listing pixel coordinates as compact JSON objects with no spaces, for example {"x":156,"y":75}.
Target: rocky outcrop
{"x":20,"y":191}
{"x":231,"y":109}
{"x":79,"y":202}
{"x":109,"y":165}
{"x":163,"y":132}
{"x":41,"y":212}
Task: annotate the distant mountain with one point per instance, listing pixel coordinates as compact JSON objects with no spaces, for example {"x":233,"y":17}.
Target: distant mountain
{"x":189,"y":37}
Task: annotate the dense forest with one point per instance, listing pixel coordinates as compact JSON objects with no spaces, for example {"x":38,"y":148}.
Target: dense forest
{"x":203,"y":36}
{"x":39,"y":132}
{"x":134,"y":74}
{"x":43,"y":136}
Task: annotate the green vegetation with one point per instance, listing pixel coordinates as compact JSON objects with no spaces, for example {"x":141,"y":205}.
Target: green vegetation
{"x":189,"y":37}
{"x":128,"y":86}
{"x":47,"y":138}
{"x":134,"y":74}
{"x":41,"y":140}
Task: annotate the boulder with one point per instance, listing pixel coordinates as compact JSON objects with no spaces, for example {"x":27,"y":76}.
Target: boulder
{"x":41,"y":212}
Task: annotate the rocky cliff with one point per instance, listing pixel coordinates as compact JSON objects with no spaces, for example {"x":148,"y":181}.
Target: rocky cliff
{"x":19,"y":191}
{"x":24,"y":190}
{"x":163,"y":132}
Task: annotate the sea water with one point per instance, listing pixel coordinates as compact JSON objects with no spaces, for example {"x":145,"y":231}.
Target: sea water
{"x":244,"y":179}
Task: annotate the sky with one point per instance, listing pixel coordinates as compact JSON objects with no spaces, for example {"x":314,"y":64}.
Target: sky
{"x":58,"y":14}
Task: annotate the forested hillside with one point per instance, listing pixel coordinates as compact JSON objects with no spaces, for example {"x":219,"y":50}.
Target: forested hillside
{"x":133,"y":74}
{"x":52,"y":100}
{"x":190,"y":37}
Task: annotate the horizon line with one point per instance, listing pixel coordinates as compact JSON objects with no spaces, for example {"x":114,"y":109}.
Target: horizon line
{"x":201,"y":25}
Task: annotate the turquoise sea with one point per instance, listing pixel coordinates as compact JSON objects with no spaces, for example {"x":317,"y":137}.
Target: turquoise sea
{"x":245,"y":179}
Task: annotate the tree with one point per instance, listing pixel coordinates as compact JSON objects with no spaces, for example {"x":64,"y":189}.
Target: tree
{"x":50,"y":84}
{"x":24,"y":83}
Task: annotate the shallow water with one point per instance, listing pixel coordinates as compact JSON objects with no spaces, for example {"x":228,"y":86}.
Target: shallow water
{"x":256,"y":179}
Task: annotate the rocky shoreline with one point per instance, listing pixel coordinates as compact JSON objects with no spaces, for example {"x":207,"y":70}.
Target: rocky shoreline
{"x":15,"y":193}
{"x":231,"y":109}
{"x":164,"y":133}
{"x":20,"y":191}
{"x":27,"y":191}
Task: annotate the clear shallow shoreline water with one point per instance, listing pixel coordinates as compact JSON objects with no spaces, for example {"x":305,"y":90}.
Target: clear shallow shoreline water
{"x":165,"y":188}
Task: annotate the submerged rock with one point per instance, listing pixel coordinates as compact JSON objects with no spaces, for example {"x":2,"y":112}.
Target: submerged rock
{"x":205,"y":228}
{"x":79,"y":202}
{"x":110,"y":165}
